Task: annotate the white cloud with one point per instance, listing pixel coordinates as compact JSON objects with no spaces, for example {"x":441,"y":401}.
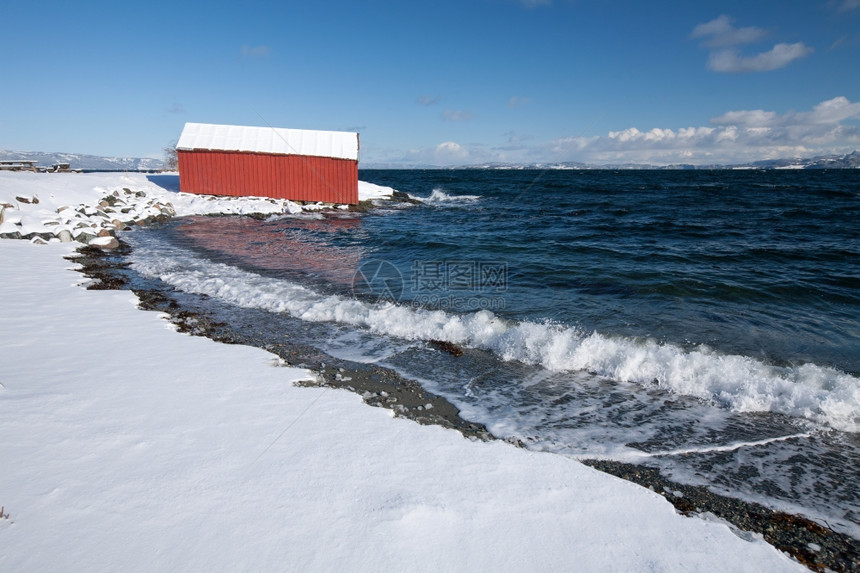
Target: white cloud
{"x":833,"y":110}
{"x":848,"y":5}
{"x":460,"y":115}
{"x":735,"y":136}
{"x":720,"y":33}
{"x":689,"y":133}
{"x":778,"y":57}
{"x":451,"y":148}
{"x":722,"y":38}
{"x":255,"y":51}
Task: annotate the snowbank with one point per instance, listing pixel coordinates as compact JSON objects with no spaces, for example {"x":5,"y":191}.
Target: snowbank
{"x":127,"y":446}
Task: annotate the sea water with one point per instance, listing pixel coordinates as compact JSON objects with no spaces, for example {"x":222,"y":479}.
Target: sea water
{"x":703,"y":322}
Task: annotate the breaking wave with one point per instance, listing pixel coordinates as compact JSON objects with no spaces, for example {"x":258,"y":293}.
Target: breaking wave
{"x":438,"y":197}
{"x":740,"y":383}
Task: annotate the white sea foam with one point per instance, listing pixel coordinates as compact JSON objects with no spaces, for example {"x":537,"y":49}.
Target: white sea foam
{"x":740,"y":383}
{"x":438,"y":197}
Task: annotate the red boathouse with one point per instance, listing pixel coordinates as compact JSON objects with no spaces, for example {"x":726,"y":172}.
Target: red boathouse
{"x":295,"y":164}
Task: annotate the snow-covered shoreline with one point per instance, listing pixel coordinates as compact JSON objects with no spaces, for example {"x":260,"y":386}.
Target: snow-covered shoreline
{"x":85,"y":207}
{"x":128,"y":446}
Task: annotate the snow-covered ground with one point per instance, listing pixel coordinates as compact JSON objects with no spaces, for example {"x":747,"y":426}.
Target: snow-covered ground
{"x":126,"y":446}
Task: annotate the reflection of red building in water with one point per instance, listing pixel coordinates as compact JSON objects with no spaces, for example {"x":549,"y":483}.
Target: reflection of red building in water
{"x":286,"y":244}
{"x":295,"y":164}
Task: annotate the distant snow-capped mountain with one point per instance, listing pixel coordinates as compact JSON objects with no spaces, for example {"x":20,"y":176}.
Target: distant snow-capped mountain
{"x":82,"y":161}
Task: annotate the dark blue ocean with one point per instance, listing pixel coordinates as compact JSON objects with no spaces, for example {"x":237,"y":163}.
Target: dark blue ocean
{"x":703,"y":322}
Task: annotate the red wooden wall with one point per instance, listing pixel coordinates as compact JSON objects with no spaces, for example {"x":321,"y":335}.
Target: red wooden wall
{"x":294,"y":177}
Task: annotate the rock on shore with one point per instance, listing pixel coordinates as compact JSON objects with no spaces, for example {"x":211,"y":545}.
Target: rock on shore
{"x":88,"y":224}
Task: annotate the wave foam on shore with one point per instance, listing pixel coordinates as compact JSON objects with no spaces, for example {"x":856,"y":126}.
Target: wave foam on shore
{"x":741,"y":383}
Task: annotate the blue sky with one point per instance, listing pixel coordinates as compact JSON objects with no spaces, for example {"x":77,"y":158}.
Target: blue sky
{"x":444,"y":83}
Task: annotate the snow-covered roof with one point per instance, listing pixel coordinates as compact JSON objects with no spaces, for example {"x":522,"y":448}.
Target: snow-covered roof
{"x":279,"y":141}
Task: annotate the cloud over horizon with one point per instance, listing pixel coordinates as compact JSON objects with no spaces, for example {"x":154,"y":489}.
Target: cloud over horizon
{"x":735,"y":136}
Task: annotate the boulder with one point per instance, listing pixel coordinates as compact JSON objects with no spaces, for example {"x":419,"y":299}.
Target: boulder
{"x":105,"y":243}
{"x":65,"y":236}
{"x":107,"y":201}
{"x":84,"y":234}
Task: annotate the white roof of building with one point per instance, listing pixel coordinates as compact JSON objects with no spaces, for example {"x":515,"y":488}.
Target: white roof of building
{"x":279,"y":141}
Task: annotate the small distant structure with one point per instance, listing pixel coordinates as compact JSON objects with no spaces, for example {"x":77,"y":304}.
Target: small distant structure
{"x":27,"y":165}
{"x":295,"y":164}
{"x":18,"y":165}
{"x":61,"y":168}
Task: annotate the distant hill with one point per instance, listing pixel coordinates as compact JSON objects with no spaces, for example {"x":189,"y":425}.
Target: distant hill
{"x":849,"y":161}
{"x":86,"y":162}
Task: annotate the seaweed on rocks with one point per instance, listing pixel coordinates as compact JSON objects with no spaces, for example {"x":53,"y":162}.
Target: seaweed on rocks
{"x":448,"y":347}
{"x":104,"y":267}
